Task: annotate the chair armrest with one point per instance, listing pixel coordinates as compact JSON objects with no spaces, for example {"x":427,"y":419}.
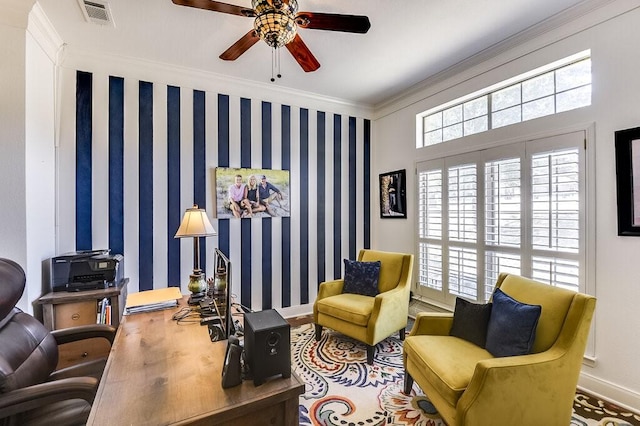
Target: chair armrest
{"x":392,"y":302}
{"x":389,"y":314}
{"x":82,"y":332}
{"x":432,"y":323}
{"x":92,"y":368}
{"x":498,"y":382}
{"x":32,"y":397}
{"x":330,"y":288}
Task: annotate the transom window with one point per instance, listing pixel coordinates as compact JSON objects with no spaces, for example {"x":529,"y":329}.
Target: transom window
{"x":554,"y":88}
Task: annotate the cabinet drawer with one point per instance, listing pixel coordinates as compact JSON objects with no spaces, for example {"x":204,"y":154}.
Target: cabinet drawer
{"x":85,"y":350}
{"x":271,"y":415}
{"x":74,"y":314}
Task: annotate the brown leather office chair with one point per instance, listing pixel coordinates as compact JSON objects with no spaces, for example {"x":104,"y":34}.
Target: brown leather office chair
{"x":32,"y":392}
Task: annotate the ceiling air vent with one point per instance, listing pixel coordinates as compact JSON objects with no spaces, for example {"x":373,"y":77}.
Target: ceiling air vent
{"x":97,"y":12}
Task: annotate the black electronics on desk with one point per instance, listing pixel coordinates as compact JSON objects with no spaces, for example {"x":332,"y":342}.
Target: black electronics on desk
{"x":85,"y":270}
{"x":232,"y":367}
{"x":267,"y":345}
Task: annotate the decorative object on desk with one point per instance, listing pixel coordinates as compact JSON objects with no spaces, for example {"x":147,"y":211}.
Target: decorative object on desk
{"x":220,"y":282}
{"x":341,"y":388}
{"x":196,"y":224}
{"x":152,"y":300}
{"x":393,"y":195}
{"x":218,"y":297}
{"x":628,"y":181}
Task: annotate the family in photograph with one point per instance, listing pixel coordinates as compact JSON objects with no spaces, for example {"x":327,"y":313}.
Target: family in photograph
{"x":244,"y":200}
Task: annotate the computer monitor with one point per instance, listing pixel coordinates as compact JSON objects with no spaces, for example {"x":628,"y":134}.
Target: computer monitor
{"x":222,"y":291}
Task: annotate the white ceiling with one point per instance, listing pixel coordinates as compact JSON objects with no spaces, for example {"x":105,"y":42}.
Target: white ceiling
{"x":409,"y":40}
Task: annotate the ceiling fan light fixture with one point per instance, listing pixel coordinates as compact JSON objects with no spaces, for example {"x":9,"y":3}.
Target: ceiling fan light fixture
{"x":275,"y":27}
{"x":275,"y":21}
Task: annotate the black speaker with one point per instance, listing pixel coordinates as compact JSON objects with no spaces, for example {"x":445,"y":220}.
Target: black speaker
{"x":267,"y":346}
{"x":232,"y":368}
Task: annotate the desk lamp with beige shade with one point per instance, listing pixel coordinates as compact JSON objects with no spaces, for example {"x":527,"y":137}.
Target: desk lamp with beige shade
{"x":196,"y":224}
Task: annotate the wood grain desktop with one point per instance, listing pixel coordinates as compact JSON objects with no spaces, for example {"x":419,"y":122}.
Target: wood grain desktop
{"x":163,"y":373}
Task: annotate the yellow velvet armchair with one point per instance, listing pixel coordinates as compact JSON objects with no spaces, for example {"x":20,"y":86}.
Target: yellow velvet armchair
{"x":365,"y":318}
{"x":468,"y":386}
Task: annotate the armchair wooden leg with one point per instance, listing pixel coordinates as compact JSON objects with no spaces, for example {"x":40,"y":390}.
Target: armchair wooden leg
{"x":408,"y":383}
{"x":318,"y":332}
{"x":370,"y":351}
{"x":402,"y":333}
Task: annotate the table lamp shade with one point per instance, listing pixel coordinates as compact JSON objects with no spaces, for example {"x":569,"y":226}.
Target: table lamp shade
{"x":195,"y":223}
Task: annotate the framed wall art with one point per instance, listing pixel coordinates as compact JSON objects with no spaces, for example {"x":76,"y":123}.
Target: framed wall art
{"x":251,"y":193}
{"x":628,"y":181}
{"x":393,"y":196}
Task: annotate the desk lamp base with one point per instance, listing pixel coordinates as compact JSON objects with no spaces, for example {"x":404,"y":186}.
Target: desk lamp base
{"x":197,"y":286}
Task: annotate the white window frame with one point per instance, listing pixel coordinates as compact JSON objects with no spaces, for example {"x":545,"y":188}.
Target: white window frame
{"x":587,"y":210}
{"x":488,"y":92}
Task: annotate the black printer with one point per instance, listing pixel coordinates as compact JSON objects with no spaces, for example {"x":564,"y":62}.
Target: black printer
{"x":85,"y":270}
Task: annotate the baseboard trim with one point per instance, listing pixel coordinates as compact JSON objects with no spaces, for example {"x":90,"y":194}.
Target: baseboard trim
{"x":610,"y":392}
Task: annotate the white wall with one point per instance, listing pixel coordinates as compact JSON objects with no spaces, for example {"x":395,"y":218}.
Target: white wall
{"x":26,"y":146}
{"x":27,"y":138}
{"x":13,"y":242}
{"x":39,"y":164}
{"x":610,"y":33}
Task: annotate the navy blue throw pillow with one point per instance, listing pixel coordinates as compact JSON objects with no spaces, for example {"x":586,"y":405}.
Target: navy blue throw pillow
{"x":512,"y":326}
{"x":470,"y":321}
{"x":361,"y":277}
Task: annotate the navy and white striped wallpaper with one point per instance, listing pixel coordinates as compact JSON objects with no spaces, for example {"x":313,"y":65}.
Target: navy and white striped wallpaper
{"x":143,"y":152}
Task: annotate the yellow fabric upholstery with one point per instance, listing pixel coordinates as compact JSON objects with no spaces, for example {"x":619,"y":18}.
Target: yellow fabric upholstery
{"x":468,"y":386}
{"x":364,"y":318}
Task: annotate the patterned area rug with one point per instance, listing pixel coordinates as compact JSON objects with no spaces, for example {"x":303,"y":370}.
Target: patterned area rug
{"x":342,"y":389}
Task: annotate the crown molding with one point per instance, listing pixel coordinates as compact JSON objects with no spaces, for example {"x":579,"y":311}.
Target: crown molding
{"x":170,"y":74}
{"x":564,"y":24}
{"x":44,"y":33}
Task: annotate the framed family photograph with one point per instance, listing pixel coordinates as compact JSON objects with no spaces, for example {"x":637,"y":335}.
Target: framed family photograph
{"x":393,"y":197}
{"x":251,"y":193}
{"x":628,"y":181}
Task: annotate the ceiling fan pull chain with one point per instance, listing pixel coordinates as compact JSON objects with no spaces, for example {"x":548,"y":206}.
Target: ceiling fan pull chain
{"x":275,"y":64}
{"x":278,"y":63}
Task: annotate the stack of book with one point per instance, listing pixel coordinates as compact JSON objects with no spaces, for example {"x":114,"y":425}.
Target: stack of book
{"x":152,"y":300}
{"x":103,"y":315}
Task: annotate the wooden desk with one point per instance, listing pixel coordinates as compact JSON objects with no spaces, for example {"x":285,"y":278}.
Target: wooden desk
{"x":162,"y":373}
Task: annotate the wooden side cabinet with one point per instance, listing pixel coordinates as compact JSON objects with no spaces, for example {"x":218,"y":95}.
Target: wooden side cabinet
{"x":69,"y":309}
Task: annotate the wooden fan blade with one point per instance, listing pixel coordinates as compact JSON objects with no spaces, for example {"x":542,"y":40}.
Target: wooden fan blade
{"x":216,"y":6}
{"x":302,"y":54}
{"x":333,"y":22}
{"x":240,"y":46}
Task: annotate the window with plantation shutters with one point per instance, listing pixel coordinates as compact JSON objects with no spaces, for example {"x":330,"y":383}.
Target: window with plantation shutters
{"x":518,"y":208}
{"x":430,"y":224}
{"x":462,"y":184}
{"x":556,"y":217}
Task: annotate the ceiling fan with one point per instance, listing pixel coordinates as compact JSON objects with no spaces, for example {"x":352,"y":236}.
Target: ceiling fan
{"x":276,"y":22}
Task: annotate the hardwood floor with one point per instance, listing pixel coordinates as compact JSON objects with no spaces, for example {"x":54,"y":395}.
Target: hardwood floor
{"x":298,"y":321}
